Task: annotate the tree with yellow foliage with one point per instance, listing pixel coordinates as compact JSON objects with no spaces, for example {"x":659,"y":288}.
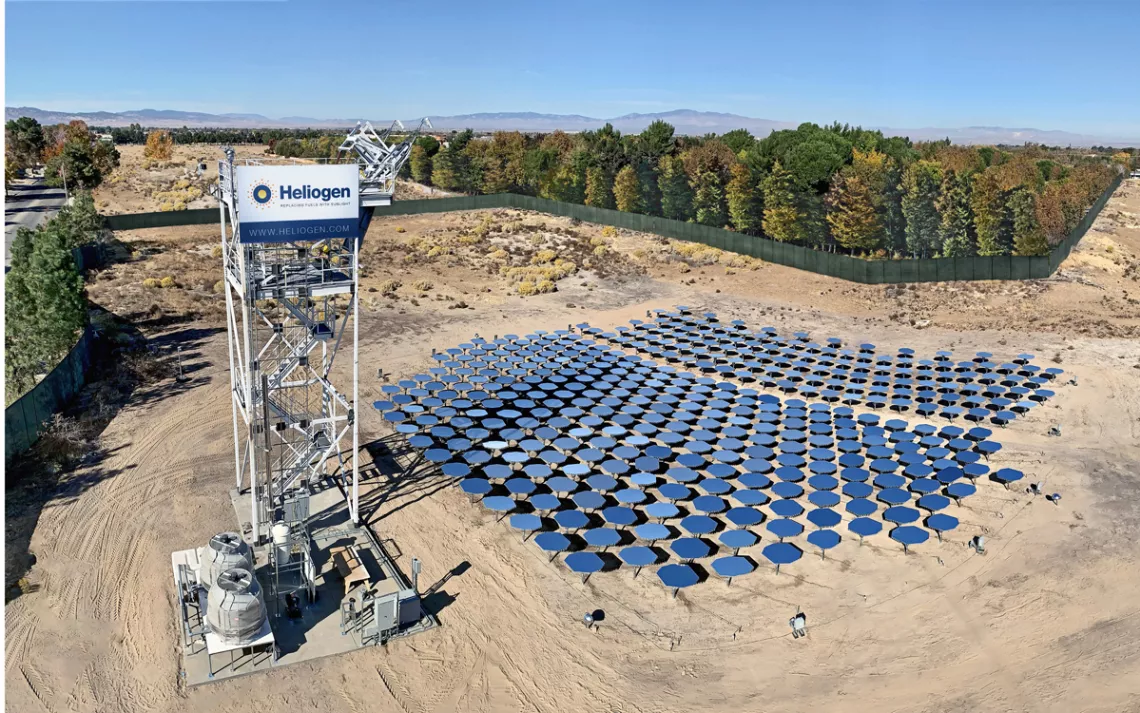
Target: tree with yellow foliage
{"x":159,"y":145}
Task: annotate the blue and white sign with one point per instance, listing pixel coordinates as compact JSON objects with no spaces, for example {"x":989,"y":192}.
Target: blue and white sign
{"x":278,"y":204}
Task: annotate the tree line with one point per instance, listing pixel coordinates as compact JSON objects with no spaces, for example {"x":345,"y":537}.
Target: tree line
{"x":137,"y":134}
{"x":835,"y":188}
{"x":69,"y":152}
{"x":45,"y":300}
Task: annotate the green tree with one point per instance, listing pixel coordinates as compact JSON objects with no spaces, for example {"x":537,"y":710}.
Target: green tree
{"x":743,"y":200}
{"x":956,"y":228}
{"x":21,"y":338}
{"x":648,"y":179}
{"x":24,"y":141}
{"x":1028,"y":236}
{"x":83,"y":164}
{"x":657,"y":140}
{"x":851,"y":214}
{"x":708,"y":203}
{"x":566,"y":185}
{"x":627,"y":190}
{"x":992,"y":222}
{"x":782,"y":216}
{"x":738,"y":140}
{"x":420,"y":163}
{"x":922,"y":183}
{"x":599,"y":188}
{"x":676,"y":195}
{"x":46,"y":306}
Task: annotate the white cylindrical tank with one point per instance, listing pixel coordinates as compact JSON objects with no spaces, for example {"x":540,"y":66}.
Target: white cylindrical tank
{"x":234,"y":610}
{"x":280,"y":533}
{"x":226,"y":550}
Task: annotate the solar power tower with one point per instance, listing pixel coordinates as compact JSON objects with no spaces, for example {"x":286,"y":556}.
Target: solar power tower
{"x":284,"y":333}
{"x":287,"y":320}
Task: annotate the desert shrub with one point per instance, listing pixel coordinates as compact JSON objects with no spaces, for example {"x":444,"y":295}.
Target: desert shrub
{"x":216,"y":251}
{"x":596,"y":241}
{"x":438,"y":250}
{"x":499,"y":254}
{"x":468,"y":240}
{"x":1110,"y":248}
{"x":526,"y":288}
{"x":219,"y":286}
{"x":609,"y":232}
{"x":543,"y":256}
{"x":166,"y":282}
{"x":166,"y":206}
{"x":640,"y":254}
{"x":600,"y":250}
{"x":389,"y":287}
{"x":544,"y":286}
{"x":422,"y":285}
{"x":181,"y":183}
{"x":536,"y":240}
{"x":150,"y":283}
{"x":400,"y":229}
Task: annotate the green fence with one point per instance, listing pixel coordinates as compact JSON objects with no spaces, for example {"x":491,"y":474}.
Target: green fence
{"x":854,"y":269}
{"x":163,"y":219}
{"x":25,"y":418}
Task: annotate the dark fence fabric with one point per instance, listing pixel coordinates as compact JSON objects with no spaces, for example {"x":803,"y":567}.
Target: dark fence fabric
{"x":845,"y":267}
{"x":25,"y":418}
{"x":162,"y":219}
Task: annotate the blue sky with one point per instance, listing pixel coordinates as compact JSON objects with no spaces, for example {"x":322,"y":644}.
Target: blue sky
{"x":1043,"y":64}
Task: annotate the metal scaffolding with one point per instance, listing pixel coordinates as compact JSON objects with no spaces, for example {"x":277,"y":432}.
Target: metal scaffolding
{"x":288,"y":306}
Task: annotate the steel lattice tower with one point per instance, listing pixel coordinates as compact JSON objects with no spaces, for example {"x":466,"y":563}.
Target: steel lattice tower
{"x":288,"y":306}
{"x":287,"y":310}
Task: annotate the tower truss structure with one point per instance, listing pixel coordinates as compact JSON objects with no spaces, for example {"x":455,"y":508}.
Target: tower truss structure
{"x":288,"y":308}
{"x":380,"y":161}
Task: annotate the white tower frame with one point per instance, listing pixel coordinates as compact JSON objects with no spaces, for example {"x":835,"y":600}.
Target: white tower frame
{"x":285,"y":328}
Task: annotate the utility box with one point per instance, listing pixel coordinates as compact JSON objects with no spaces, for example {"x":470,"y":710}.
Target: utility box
{"x":386,"y":614}
{"x":295,"y":507}
{"x":410,"y":610}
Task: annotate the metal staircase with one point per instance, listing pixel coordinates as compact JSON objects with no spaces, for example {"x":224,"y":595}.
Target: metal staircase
{"x":288,"y":310}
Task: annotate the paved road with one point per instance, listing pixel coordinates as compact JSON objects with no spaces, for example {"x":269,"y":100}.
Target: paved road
{"x":28,"y":203}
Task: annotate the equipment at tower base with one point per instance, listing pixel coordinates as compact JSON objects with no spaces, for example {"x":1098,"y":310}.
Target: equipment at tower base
{"x":234,"y":610}
{"x":226,"y":550}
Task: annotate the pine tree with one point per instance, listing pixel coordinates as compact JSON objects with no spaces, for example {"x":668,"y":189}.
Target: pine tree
{"x":627,"y":190}
{"x":599,"y":188}
{"x":956,"y":229}
{"x":443,"y":170}
{"x":851,"y":213}
{"x":922,"y":183}
{"x":420,"y":163}
{"x":992,"y":222}
{"x":1028,"y":236}
{"x":676,"y":196}
{"x":708,"y":203}
{"x":647,"y":178}
{"x":21,"y":347}
{"x":61,"y":306}
{"x":781,"y":206}
{"x":743,"y":200}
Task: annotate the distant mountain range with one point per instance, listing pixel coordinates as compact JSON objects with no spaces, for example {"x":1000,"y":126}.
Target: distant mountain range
{"x":685,"y":121}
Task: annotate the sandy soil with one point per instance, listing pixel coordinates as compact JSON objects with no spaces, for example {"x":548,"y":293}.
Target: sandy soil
{"x":1047,"y":620}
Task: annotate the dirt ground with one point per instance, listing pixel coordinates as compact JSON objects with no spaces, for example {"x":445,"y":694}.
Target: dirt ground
{"x":1047,"y":620}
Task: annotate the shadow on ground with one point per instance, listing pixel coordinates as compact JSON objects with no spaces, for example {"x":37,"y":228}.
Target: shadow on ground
{"x":69,"y":459}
